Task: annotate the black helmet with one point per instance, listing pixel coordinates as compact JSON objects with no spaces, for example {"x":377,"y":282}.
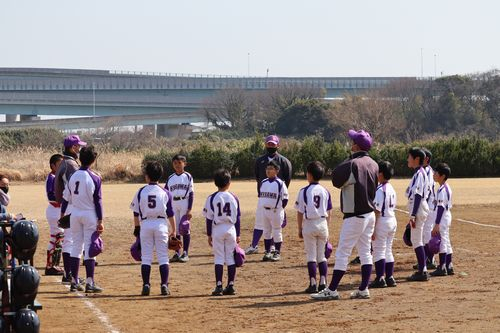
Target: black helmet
{"x":25,"y":281}
{"x":24,"y":239}
{"x":26,"y":321}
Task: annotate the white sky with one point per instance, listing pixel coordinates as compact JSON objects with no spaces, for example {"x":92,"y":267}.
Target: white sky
{"x":290,"y":37}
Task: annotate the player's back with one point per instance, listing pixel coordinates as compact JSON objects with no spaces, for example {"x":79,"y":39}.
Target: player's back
{"x":151,"y":201}
{"x":385,"y":200}
{"x":314,"y":201}
{"x":84,"y":189}
{"x":222,"y":207}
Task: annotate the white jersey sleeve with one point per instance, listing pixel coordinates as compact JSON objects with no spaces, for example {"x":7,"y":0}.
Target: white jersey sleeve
{"x":444,"y":197}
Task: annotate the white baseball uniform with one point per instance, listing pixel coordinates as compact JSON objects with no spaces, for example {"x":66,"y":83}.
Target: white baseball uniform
{"x":83,"y":191}
{"x":222,"y":211}
{"x":443,"y":199}
{"x":386,"y":224}
{"x":418,"y":185}
{"x":182,"y":189}
{"x":430,"y":198}
{"x":314,"y":202}
{"x":273,"y":195}
{"x":53,"y":213}
{"x":153,"y":205}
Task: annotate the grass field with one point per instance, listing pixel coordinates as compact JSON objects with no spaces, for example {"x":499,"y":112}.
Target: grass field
{"x":270,"y":294}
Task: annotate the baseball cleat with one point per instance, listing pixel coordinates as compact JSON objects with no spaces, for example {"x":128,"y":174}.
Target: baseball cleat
{"x":164,"y":290}
{"x":378,"y":283}
{"x":217,"y":291}
{"x":66,"y":280}
{"x":229,"y":290}
{"x":53,"y":271}
{"x":267,"y":256}
{"x":276,"y":256}
{"x":184,"y":257}
{"x":146,"y":289}
{"x":321,"y":287}
{"x":419,"y":276}
{"x":440,"y":271}
{"x":355,"y":261}
{"x":273,"y":249}
{"x":391,"y":282}
{"x":311,"y":289}
{"x":360,"y":294}
{"x":450,"y":271}
{"x":92,"y":289}
{"x":76,"y":287}
{"x":252,"y":250}
{"x":175,"y":258}
{"x":326,"y":295}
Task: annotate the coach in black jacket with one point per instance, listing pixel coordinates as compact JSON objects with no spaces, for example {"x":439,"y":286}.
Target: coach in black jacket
{"x":285,"y":174}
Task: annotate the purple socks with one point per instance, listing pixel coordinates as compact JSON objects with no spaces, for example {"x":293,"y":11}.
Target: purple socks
{"x":257,"y":234}
{"x":66,"y":263}
{"x":366,"y":271}
{"x":74,"y":267}
{"x":379,"y":268}
{"x":420,"y":252}
{"x":89,"y":268}
{"x":311,"y":268}
{"x":267,"y":244}
{"x":336,"y":277}
{"x":448,"y":261}
{"x":323,"y":268}
{"x":219,"y":270}
{"x":164,"y":274}
{"x":389,"y":269}
{"x":231,"y":274}
{"x":277,"y":246}
{"x":145,"y":273}
{"x":186,"y":239}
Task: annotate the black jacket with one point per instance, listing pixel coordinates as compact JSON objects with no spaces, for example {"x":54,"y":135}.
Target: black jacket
{"x":284,"y":174}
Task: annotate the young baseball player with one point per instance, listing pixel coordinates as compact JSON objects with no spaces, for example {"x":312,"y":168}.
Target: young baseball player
{"x":443,"y":220}
{"x":53,"y":213}
{"x":273,"y":198}
{"x":431,"y":217}
{"x":222,"y":213}
{"x":418,"y":209}
{"x":152,"y":205}
{"x":385,"y":228}
{"x":180,"y":184}
{"x":313,"y":206}
{"x":83,"y":192}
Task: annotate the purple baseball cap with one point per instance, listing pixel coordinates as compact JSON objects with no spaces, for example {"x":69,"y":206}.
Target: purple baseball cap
{"x":362,"y":138}
{"x":273,"y":139}
{"x":72,"y":140}
{"x":96,"y":245}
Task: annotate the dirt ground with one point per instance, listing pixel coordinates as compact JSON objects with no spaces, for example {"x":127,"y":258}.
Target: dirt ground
{"x":270,"y":295}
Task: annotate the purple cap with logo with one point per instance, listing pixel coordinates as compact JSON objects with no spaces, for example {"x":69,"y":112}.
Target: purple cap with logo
{"x":72,"y":140}
{"x":273,"y":139}
{"x":362,"y":138}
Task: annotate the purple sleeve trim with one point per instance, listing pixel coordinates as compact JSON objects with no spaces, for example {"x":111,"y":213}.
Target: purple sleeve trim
{"x":209,"y":227}
{"x":416,"y":204}
{"x":64,"y":206}
{"x":49,"y":188}
{"x":170,"y":211}
{"x":439,"y":214}
{"x":285,"y":202}
{"x":237,"y":227}
{"x":97,"y":195}
{"x":329,"y":204}
{"x":190,"y":200}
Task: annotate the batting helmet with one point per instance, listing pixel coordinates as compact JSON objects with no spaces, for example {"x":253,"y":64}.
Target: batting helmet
{"x":26,"y":321}
{"x":96,"y":245}
{"x":239,"y":256}
{"x":328,"y":250}
{"x":135,"y":249}
{"x":407,"y":235}
{"x":24,"y":239}
{"x":25,"y":281}
{"x":434,"y":244}
{"x":184,"y":225}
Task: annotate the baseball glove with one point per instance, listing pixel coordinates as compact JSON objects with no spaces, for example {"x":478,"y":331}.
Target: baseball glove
{"x":64,"y":222}
{"x":174,"y":244}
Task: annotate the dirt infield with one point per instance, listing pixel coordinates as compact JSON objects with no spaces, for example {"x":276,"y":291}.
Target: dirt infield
{"x":270,"y":295}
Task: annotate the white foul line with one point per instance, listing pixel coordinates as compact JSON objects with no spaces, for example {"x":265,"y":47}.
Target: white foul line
{"x":99,"y":314}
{"x":464,"y":221}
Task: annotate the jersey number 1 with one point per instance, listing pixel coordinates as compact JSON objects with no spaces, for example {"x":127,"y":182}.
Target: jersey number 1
{"x":226,"y":209}
{"x":77,"y":185}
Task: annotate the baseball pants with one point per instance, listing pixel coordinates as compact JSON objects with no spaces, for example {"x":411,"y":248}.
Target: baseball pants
{"x":154,"y":235}
{"x":259,"y":219}
{"x":444,"y":231}
{"x":53,"y":214}
{"x":272,"y":219}
{"x":418,"y":231}
{"x":180,"y":208}
{"x":83,"y":225}
{"x":355,"y":232}
{"x":223,"y":243}
{"x":67,"y":244}
{"x":428,"y":225}
{"x":315,"y":233}
{"x":385,"y":229}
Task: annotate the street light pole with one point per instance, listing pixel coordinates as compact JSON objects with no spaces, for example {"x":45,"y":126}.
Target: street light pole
{"x":93,"y":98}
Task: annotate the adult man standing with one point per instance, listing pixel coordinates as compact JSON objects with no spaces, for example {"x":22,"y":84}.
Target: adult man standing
{"x":69,"y":165}
{"x":357,"y":177}
{"x":285,"y":174}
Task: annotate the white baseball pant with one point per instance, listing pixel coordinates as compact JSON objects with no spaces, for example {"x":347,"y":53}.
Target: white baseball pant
{"x":428,"y":225}
{"x":315,"y":233}
{"x":385,"y":229}
{"x":154,"y":235}
{"x":417,"y":232}
{"x":53,"y":214}
{"x":355,"y":232}
{"x":83,"y":225}
{"x":272,"y":223}
{"x":67,"y":244}
{"x":223,"y":243}
{"x":259,"y":219}
{"x":180,"y":208}
{"x":444,"y":230}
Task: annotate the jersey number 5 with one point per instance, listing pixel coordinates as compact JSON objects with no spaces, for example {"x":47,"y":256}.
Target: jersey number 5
{"x":226,"y":209}
{"x":152,"y":201}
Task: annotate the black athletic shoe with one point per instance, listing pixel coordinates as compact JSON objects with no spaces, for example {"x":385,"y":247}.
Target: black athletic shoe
{"x":439,"y":272}
{"x":391,"y":282}
{"x":66,"y":280}
{"x":229,"y":290}
{"x":92,"y":289}
{"x":378,"y":283}
{"x":146,"y":289}
{"x":311,"y":289}
{"x":355,"y":261}
{"x":164,"y":290}
{"x":419,"y":276}
{"x":76,"y":287}
{"x":321,"y":287}
{"x":450,"y":271}
{"x":217,"y":291}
